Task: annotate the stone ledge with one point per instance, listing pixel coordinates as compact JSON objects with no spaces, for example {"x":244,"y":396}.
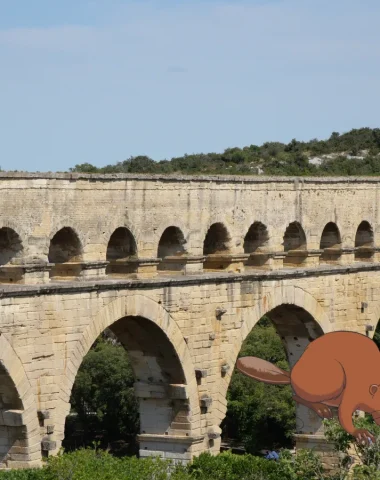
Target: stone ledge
{"x":112,"y":177}
{"x":10,"y":291}
{"x":147,"y":437}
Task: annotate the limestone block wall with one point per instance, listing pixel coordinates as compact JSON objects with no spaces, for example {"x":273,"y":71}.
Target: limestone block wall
{"x":37,"y":206}
{"x":46,"y":331}
{"x":191,"y":262}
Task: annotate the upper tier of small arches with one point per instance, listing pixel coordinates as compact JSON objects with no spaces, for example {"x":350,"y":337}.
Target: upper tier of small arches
{"x":66,"y":257}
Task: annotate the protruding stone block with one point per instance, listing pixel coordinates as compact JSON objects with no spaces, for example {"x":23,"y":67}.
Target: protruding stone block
{"x":205,"y":401}
{"x":49,"y":429}
{"x":214,"y":432}
{"x":225,"y":368}
{"x":93,"y":270}
{"x":13,"y":418}
{"x":219,"y":311}
{"x":199,"y":373}
{"x":48,"y":445}
{"x":43,"y":414}
{"x":147,"y":267}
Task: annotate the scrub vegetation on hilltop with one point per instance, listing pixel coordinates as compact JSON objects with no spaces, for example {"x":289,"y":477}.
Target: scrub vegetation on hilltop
{"x":353,"y":153}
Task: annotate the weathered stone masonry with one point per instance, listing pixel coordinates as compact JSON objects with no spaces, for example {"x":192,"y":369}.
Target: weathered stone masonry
{"x":180,"y":269}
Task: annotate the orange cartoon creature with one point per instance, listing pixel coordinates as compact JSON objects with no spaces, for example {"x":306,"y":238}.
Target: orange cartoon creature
{"x":339,"y":369}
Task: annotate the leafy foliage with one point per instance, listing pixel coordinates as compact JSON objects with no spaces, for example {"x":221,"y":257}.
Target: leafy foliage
{"x":103,"y":396}
{"x":260,"y":415}
{"x":272,"y":158}
{"x":99,"y":465}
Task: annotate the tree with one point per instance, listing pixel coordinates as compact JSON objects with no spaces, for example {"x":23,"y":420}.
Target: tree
{"x":103,"y":394}
{"x":260,"y":415}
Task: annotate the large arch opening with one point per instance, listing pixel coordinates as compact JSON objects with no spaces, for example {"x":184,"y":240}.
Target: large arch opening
{"x":216,"y":247}
{"x":121,"y":253}
{"x":255,"y":243}
{"x":131,"y":383}
{"x":65,"y":253}
{"x":11,"y":250}
{"x":171,"y":251}
{"x":294,"y":245}
{"x":364,"y":242}
{"x":261,"y":416}
{"x":11,"y":409}
{"x":331,"y":243}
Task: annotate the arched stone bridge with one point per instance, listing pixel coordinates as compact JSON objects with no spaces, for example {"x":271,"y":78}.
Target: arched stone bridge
{"x":180,"y":269}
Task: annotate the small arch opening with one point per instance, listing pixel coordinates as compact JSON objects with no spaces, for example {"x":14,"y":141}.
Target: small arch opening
{"x":364,"y":242}
{"x":331,"y":243}
{"x":255,"y":243}
{"x":171,"y":250}
{"x":216,"y":247}
{"x":11,"y":251}
{"x":121,"y":253}
{"x":65,"y":252}
{"x":294,"y":245}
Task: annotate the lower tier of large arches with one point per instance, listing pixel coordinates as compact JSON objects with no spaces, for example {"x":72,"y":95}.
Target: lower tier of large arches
{"x":183,"y":341}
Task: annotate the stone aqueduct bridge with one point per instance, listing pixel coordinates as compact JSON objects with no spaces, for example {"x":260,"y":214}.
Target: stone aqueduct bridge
{"x":180,"y":269}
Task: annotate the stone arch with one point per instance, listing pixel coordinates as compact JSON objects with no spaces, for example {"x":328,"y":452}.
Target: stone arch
{"x":364,"y":235}
{"x":107,"y":231}
{"x":65,"y":246}
{"x":331,"y":242}
{"x":121,"y":249}
{"x":20,"y":430}
{"x":217,"y":239}
{"x":330,"y":237}
{"x":67,"y":223}
{"x":364,"y":241}
{"x":312,"y":322}
{"x":11,"y":246}
{"x":294,"y":237}
{"x":66,"y":253}
{"x":256,"y":238}
{"x":139,"y":309}
{"x":172,"y":244}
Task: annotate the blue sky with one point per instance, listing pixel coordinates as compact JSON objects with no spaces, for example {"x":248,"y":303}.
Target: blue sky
{"x":97,"y":81}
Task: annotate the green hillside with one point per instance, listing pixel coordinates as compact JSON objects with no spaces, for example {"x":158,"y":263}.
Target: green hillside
{"x":354,"y":153}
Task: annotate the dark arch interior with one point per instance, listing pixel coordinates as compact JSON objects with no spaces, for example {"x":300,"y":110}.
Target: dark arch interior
{"x":330,"y":239}
{"x":288,"y":329}
{"x":256,"y":238}
{"x":364,"y":241}
{"x":10,"y":436}
{"x":121,"y":253}
{"x":65,"y":246}
{"x":217,"y":240}
{"x":171,"y":243}
{"x":294,"y":238}
{"x":364,"y":235}
{"x":156,"y":378}
{"x":122,"y":245}
{"x":65,"y":252}
{"x":10,"y":245}
{"x":152,"y":355}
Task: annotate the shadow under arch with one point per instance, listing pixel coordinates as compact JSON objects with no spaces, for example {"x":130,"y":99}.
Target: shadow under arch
{"x":298,"y":319}
{"x":65,"y":253}
{"x":165,"y":380}
{"x":171,"y":250}
{"x":19,"y":430}
{"x":121,"y":249}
